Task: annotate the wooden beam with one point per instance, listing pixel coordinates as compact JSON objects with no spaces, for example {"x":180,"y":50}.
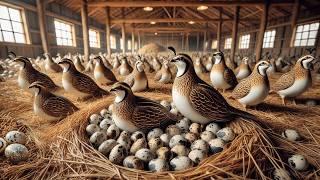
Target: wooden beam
{"x":234,"y":32}
{"x":175,"y":20}
{"x":294,"y":19}
{"x":153,"y":3}
{"x":263,"y":25}
{"x":108,"y":43}
{"x":85,"y":29}
{"x":185,"y":29}
{"x":219,"y":29}
{"x":123,"y":34}
{"x":42,"y":25}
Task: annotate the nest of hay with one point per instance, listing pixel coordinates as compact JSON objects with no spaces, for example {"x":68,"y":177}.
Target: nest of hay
{"x":62,"y":150}
{"x":151,"y":48}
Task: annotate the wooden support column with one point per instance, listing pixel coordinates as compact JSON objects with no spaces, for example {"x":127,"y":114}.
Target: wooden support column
{"x":182,"y":42}
{"x":108,"y":44}
{"x":198,"y":40}
{"x":85,"y":29}
{"x":187,"y":42}
{"x":132,"y":40}
{"x":234,"y":32}
{"x":204,"y":41}
{"x":139,"y":40}
{"x":123,"y":34}
{"x":294,"y":18}
{"x":42,"y":24}
{"x":219,"y":26}
{"x":263,"y":25}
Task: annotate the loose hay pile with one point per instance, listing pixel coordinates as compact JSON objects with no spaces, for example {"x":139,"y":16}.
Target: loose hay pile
{"x":62,"y":150}
{"x":151,"y":48}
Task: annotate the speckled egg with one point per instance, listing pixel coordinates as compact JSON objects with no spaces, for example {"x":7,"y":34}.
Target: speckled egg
{"x":216,"y":145}
{"x":197,"y":155}
{"x":291,"y":135}
{"x":125,"y":141}
{"x":191,"y":137}
{"x":16,"y":153}
{"x":137,"y":135}
{"x":281,"y":174}
{"x":183,"y":124}
{"x":95,"y":119}
{"x":195,"y":128}
{"x":137,"y":145}
{"x":173,"y":130}
{"x":180,"y":150}
{"x":16,"y":137}
{"x":106,"y":147}
{"x":207,"y":136}
{"x":144,"y":154}
{"x":164,"y":153}
{"x":180,"y":163}
{"x":3,"y":145}
{"x":298,"y":162}
{"x":165,"y":104}
{"x":174,"y":111}
{"x":97,"y":138}
{"x":201,"y":145}
{"x":105,"y":113}
{"x":178,"y":139}
{"x":226,"y":134}
{"x":113,"y":132}
{"x":92,"y":128}
{"x":213,"y":127}
{"x":156,"y":132}
{"x":155,"y":144}
{"x":105,"y":124}
{"x":133,"y":162}
{"x":158,"y":165}
{"x":110,"y":108}
{"x":117,"y":154}
{"x":165,"y":138}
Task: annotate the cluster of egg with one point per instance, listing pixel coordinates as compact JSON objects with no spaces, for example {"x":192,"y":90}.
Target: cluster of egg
{"x":8,"y":69}
{"x":13,"y":146}
{"x":177,"y":147}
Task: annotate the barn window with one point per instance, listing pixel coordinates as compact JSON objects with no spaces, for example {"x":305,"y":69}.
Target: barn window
{"x":214,"y":44}
{"x":113,"y":42}
{"x":227,"y":43}
{"x":244,"y":41}
{"x":135,"y":45}
{"x":306,"y":34}
{"x":129,"y":44}
{"x":64,"y":33}
{"x":121,"y":44}
{"x":268,"y":39}
{"x":12,"y":27}
{"x":94,"y":38}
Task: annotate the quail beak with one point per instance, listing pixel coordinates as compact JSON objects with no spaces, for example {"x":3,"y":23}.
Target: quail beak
{"x":112,"y":90}
{"x":61,"y":62}
{"x":173,"y":60}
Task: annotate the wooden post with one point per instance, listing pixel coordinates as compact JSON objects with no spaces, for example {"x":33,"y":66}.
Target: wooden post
{"x":204,"y":41}
{"x":294,"y":18}
{"x":139,"y":40}
{"x":198,"y":40}
{"x":123,"y":34}
{"x":85,"y":29}
{"x":187,"y":42}
{"x":108,"y":45}
{"x":219,"y":29}
{"x":182,"y":42}
{"x":263,"y":25}
{"x":234,"y":32}
{"x":42,"y":25}
{"x":132,"y":41}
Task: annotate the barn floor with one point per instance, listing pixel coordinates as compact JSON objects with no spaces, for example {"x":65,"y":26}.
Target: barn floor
{"x":16,"y":113}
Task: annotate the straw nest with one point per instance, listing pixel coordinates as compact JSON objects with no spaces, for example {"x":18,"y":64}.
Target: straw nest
{"x":62,"y":150}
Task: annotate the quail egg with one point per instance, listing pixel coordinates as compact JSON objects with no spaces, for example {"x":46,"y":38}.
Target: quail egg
{"x":155,"y":143}
{"x":113,"y":132}
{"x":197,"y":155}
{"x":216,"y":145}
{"x":298,"y":162}
{"x":137,"y":135}
{"x":16,"y":137}
{"x":200,"y":144}
{"x":97,"y":138}
{"x":183,"y":124}
{"x":154,"y":133}
{"x":144,"y":154}
{"x":133,"y":162}
{"x":138,"y":144}
{"x":107,"y":146}
{"x":166,"y":104}
{"x":110,"y":108}
{"x":207,"y":136}
{"x":158,"y":165}
{"x":173,"y":130}
{"x":180,"y":163}
{"x":178,"y":139}
{"x":3,"y":145}
{"x":105,"y":124}
{"x":281,"y":174}
{"x":195,"y":128}
{"x":213,"y":127}
{"x":226,"y":134}
{"x":165,"y":138}
{"x":125,"y":134}
{"x":105,"y":113}
{"x":180,"y":150}
{"x":191,"y":137}
{"x":291,"y":135}
{"x":117,"y":154}
{"x":125,"y":141}
{"x":174,"y":111}
{"x":95,"y":119}
{"x":164,"y":153}
{"x":16,"y":153}
{"x":92,"y":128}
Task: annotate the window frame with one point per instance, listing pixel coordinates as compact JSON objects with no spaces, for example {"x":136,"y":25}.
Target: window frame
{"x":73,"y":32}
{"x":273,"y":43}
{"x":225,"y":43}
{"x":293,"y":38}
{"x":24,"y":21}
{"x":98,"y":37}
{"x":241,"y":44}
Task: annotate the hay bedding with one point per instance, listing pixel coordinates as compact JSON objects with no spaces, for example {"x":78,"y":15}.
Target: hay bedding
{"x":61,"y":150}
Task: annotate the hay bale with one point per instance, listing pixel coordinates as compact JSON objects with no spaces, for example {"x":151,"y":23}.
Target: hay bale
{"x":151,"y":48}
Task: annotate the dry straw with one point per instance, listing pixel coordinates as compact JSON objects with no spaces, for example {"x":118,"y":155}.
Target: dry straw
{"x":61,"y":150}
